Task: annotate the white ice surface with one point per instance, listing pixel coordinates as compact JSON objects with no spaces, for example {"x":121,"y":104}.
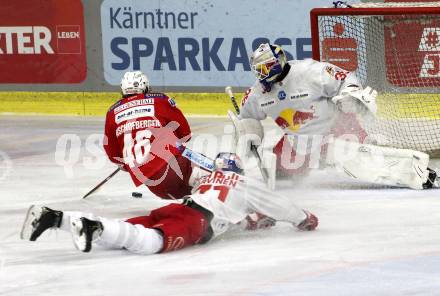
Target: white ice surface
{"x":371,"y":240}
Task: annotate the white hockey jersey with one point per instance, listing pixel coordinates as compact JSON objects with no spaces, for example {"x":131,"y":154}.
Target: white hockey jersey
{"x":231,"y":197}
{"x":301,"y":103}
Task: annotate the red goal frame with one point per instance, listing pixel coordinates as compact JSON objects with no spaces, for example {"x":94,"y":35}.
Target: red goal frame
{"x":316,"y":12}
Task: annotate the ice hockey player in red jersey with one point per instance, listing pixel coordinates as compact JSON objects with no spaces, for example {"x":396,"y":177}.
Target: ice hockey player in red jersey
{"x":144,"y":134}
{"x":220,"y":200}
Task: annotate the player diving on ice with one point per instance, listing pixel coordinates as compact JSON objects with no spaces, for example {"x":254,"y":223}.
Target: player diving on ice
{"x":221,"y":199}
{"x":311,"y":101}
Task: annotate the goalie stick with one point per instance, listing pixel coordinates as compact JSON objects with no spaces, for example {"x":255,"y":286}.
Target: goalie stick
{"x":197,"y":158}
{"x":263,"y":170}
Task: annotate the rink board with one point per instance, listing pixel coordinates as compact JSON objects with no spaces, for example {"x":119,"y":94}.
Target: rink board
{"x":423,"y":106}
{"x":97,"y":103}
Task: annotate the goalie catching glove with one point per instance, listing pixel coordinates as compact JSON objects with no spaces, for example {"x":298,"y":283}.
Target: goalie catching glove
{"x":352,"y":99}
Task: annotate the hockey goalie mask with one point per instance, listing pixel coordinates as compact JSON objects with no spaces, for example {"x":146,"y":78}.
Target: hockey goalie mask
{"x":226,"y":161}
{"x":134,"y":83}
{"x":267,"y":62}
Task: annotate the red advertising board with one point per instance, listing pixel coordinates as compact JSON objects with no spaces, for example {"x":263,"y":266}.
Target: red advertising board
{"x":42,"y":41}
{"x":412,"y":49}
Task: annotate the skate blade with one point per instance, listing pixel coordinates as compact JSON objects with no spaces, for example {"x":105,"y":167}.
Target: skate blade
{"x":28,"y":228}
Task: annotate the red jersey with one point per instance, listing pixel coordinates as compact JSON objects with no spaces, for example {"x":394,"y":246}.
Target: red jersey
{"x":142,"y":133}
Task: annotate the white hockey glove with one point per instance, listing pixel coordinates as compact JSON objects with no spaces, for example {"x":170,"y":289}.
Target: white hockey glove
{"x":248,"y":131}
{"x":352,"y":99}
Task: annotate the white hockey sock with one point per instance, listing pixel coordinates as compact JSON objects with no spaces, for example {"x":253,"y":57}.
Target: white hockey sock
{"x":69,"y":216}
{"x":134,"y":238}
{"x":120,"y":235}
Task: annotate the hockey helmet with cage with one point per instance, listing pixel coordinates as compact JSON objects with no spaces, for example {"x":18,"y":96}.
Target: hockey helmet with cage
{"x":267,"y":62}
{"x":227,"y":161}
{"x":134,"y":82}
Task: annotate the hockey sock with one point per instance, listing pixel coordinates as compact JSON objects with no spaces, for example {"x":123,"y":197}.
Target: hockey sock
{"x":69,"y":216}
{"x":121,"y":235}
{"x":134,"y":238}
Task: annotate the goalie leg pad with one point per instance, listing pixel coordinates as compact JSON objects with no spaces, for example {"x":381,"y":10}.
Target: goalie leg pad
{"x":381,"y":165}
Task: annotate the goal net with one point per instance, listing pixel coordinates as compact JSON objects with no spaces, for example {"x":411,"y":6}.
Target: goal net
{"x":395,"y":49}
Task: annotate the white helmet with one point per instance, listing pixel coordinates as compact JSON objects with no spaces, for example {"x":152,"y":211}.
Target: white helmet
{"x":267,"y":62}
{"x":227,"y":161}
{"x":134,"y":83}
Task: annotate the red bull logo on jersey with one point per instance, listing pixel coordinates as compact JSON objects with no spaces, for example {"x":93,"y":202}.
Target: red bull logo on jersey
{"x":293,"y":119}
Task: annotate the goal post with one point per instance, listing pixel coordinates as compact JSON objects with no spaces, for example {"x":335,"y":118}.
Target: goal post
{"x":395,"y":49}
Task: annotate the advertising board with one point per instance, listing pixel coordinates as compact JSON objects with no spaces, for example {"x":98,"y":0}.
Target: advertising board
{"x":42,"y":42}
{"x":202,"y":44}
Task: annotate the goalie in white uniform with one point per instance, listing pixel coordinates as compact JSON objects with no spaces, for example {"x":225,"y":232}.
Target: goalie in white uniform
{"x":221,"y":199}
{"x":307,"y":99}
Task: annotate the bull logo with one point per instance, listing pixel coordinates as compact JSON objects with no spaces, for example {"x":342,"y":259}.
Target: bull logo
{"x":293,"y":119}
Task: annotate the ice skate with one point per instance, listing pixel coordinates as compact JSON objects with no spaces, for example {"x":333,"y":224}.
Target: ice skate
{"x":308,"y":224}
{"x":433,"y":179}
{"x":84,"y":232}
{"x":39,"y":219}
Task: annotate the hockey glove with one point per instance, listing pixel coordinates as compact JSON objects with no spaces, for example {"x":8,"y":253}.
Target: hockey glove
{"x":248,"y":131}
{"x":354,"y":100}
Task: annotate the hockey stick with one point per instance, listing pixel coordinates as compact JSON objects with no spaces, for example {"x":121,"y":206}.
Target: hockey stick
{"x":263,"y":170}
{"x":199,"y":159}
{"x":102,"y":183}
{"x":195,"y":157}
